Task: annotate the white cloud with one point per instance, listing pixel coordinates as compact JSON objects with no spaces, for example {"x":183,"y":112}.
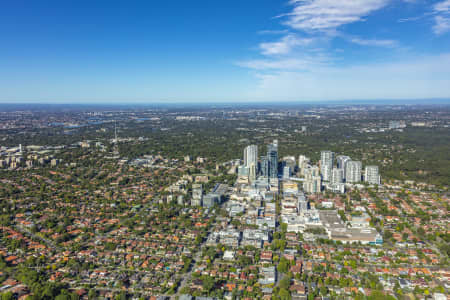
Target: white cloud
{"x":328,"y":15}
{"x":416,"y":77}
{"x":284,"y":45}
{"x":297,"y":64}
{"x":410,"y":19}
{"x":319,"y":20}
{"x":443,"y":6}
{"x":273,"y":31}
{"x":442,"y":17}
{"x":440,"y":12}
{"x":442,"y":25}
{"x":374,"y":42}
{"x":292,"y":70}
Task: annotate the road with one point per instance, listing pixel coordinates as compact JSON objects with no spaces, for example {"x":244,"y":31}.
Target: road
{"x":195,"y":258}
{"x":431,"y":267}
{"x":48,"y":242}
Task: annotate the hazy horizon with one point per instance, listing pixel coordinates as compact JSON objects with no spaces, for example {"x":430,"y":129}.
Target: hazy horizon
{"x":385,"y":102}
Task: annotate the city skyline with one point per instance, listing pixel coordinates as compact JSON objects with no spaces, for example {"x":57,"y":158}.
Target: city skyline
{"x":198,"y":203}
{"x":252,"y":51}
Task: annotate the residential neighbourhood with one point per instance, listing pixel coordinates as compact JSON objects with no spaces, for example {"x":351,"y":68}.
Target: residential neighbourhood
{"x":97,"y":220}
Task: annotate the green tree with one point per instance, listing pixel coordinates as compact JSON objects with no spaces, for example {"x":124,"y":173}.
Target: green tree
{"x":7,"y":296}
{"x":284,"y":294}
{"x":208,"y":283}
{"x":283,"y":265}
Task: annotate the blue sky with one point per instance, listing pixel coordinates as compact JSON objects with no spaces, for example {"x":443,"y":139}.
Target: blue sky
{"x":219,"y":51}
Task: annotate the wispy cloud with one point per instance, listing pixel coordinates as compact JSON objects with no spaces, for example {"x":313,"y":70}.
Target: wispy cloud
{"x":410,"y":19}
{"x":284,"y":45}
{"x":442,"y":25}
{"x":328,"y":15}
{"x":284,"y":31}
{"x":313,"y":21}
{"x":302,"y":63}
{"x":443,"y":6}
{"x":439,"y":12}
{"x":411,"y":78}
{"x":292,"y":69}
{"x":374,"y":42}
{"x":442,"y":18}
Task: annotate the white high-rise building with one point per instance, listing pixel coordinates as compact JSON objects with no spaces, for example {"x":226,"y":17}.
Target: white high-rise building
{"x":251,"y":156}
{"x":337,"y":176}
{"x":303,"y":163}
{"x":289,"y":161}
{"x":337,"y":181}
{"x":197,"y":195}
{"x":353,"y":171}
{"x":313,"y":181}
{"x":302,"y":159}
{"x":326,"y":164}
{"x":314,"y":170}
{"x":326,"y":173}
{"x":252,"y":172}
{"x":342,"y":162}
{"x":313,"y":186}
{"x":371,"y":175}
{"x":286,"y":172}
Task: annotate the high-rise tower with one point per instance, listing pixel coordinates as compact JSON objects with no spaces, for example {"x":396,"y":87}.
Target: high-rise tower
{"x":326,"y":164}
{"x":272,"y":156}
{"x":264,"y":166}
{"x":342,"y":162}
{"x":353,"y":171}
{"x":251,"y":156}
{"x":371,"y":175}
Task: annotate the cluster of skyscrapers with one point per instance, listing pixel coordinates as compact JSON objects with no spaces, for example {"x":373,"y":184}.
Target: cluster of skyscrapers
{"x":333,"y":172}
{"x":268,"y":165}
{"x":346,"y":170}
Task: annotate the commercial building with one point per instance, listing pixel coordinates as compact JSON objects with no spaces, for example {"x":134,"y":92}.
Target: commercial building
{"x":337,"y":176}
{"x":313,"y":181}
{"x":272,"y":156}
{"x":342,"y":161}
{"x":286,"y":172}
{"x":353,"y":171}
{"x":264,"y":166}
{"x":289,"y":161}
{"x":365,"y":236}
{"x":216,"y":196}
{"x":252,"y":172}
{"x":371,"y":175}
{"x":326,"y":164}
{"x":197,"y":195}
{"x":251,"y":156}
{"x":303,"y":163}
